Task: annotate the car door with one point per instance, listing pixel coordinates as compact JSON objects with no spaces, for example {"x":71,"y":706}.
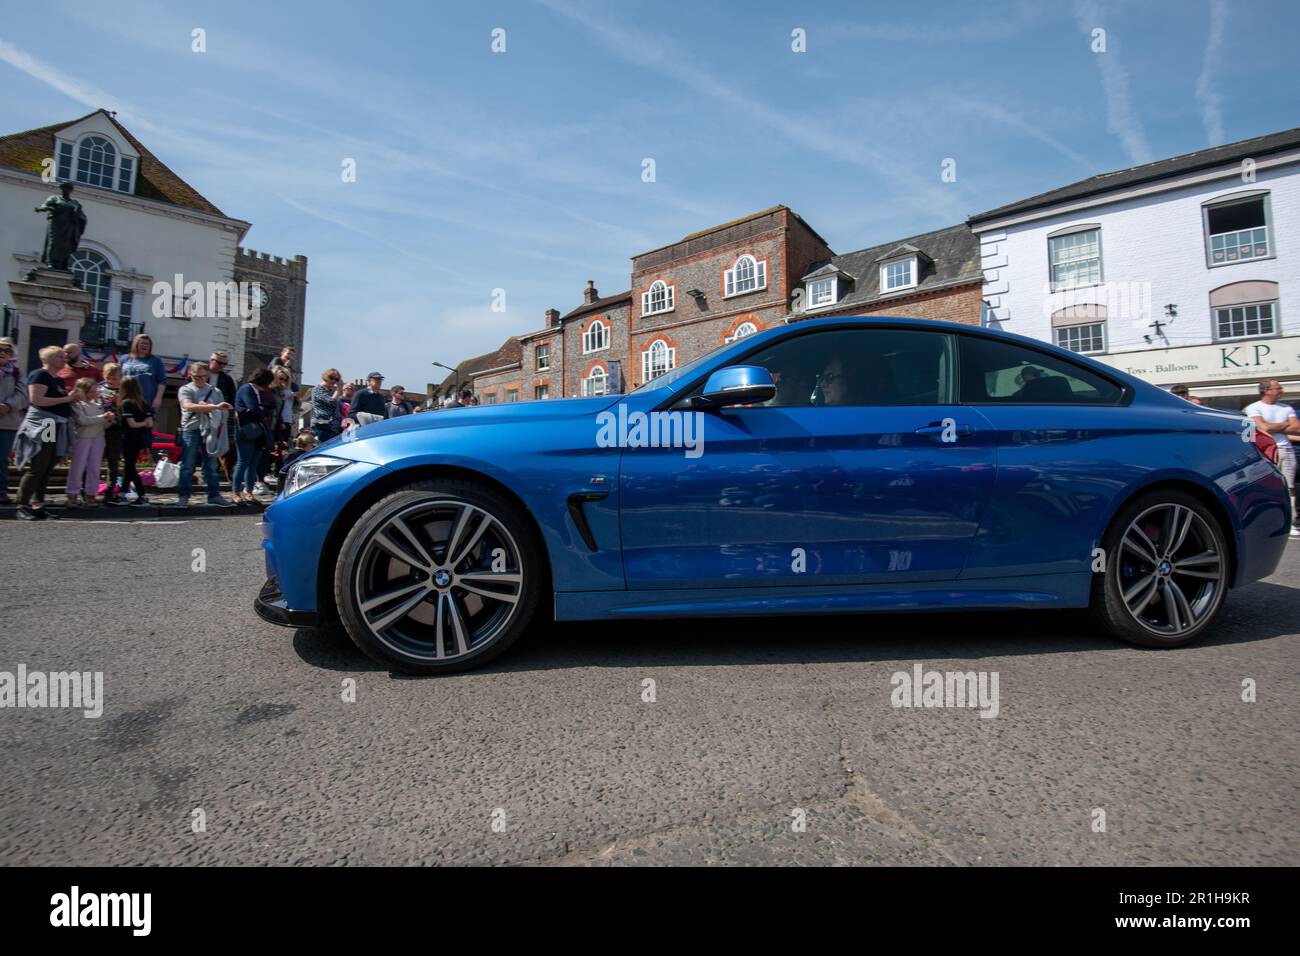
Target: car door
{"x":862,"y":469}
{"x":1067,"y":444}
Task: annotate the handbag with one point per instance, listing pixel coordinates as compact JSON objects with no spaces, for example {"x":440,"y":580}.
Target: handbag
{"x":253,"y":431}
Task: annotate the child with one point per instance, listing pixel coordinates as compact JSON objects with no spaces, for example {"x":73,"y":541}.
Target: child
{"x":112,"y":373}
{"x":88,"y":450}
{"x":137,"y":433}
{"x":304,"y":443}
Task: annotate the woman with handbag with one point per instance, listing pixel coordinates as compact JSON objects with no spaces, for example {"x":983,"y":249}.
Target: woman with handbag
{"x":254,"y":414}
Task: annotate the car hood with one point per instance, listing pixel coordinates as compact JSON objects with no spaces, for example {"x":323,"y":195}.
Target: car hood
{"x":481,"y":415}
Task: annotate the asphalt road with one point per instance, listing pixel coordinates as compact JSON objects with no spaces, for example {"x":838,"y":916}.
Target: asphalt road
{"x":552,"y":755}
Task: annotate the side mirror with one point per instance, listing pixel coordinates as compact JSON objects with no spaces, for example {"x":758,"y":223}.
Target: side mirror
{"x":737,"y":385}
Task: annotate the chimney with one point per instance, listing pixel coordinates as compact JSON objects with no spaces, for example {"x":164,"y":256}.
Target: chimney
{"x":552,"y":318}
{"x":589,"y":294}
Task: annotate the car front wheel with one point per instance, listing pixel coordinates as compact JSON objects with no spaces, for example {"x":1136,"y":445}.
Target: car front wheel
{"x":440,"y":576}
{"x":1166,"y":571}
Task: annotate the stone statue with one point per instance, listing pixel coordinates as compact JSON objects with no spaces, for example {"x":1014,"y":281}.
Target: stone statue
{"x":66,"y":223}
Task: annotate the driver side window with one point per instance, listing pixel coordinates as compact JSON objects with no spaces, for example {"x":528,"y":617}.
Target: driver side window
{"x":859,"y":367}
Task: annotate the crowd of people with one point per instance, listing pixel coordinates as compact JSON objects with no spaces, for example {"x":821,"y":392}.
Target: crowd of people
{"x":101,"y":419}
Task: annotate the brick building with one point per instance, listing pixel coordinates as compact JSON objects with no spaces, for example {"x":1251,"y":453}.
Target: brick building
{"x":719,"y":284}
{"x":936,"y":275}
{"x":283,"y":313}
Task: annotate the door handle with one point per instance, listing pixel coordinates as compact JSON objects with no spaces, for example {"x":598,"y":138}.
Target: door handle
{"x":936,"y":430}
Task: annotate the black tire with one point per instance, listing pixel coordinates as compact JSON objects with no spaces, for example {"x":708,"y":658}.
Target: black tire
{"x":1195,"y":598}
{"x":471,"y":611}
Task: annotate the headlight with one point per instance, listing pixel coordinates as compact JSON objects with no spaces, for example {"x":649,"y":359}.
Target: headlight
{"x":307,"y":471}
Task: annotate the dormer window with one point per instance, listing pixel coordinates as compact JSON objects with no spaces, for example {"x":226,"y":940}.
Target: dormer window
{"x":96,"y":161}
{"x":660,"y":297}
{"x":747,"y":275}
{"x":822,"y":292}
{"x":899,"y":274}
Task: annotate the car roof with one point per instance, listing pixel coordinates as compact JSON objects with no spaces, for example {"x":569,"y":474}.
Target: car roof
{"x":1136,"y":386}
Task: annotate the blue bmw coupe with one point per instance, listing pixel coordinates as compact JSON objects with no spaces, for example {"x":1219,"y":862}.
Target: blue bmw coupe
{"x":837,"y":465}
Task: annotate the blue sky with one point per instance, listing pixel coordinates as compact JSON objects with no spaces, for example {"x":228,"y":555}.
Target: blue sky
{"x":522,"y":170}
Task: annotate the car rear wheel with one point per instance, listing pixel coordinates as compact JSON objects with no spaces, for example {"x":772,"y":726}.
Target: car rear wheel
{"x":1166,"y":571}
{"x":438,"y":577}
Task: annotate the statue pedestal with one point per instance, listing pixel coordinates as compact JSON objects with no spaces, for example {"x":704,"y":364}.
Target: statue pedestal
{"x":51,"y":311}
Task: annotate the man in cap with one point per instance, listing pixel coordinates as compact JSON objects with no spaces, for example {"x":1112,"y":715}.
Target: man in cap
{"x":369,"y":404}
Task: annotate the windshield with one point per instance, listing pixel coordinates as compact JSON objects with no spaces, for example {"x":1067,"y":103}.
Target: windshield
{"x":682,"y":371}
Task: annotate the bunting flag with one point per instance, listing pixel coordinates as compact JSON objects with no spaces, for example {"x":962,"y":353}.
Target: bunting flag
{"x":100,"y":357}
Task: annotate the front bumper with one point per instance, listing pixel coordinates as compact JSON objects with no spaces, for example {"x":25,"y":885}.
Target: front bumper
{"x":271,"y":607}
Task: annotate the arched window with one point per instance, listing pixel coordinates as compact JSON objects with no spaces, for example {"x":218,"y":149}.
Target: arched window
{"x":91,"y":269}
{"x":1245,"y":309}
{"x":747,"y":275}
{"x":596,"y":382}
{"x":743,"y":329}
{"x":658,"y":298}
{"x":657,"y":359}
{"x":96,"y":162}
{"x":596,"y":337}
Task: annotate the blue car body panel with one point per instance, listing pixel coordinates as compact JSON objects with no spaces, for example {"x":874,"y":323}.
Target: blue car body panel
{"x":806,"y":509}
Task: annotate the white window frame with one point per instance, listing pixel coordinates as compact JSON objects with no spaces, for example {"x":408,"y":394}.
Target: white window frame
{"x":757,"y":281}
{"x":538,"y":358}
{"x":832,"y":283}
{"x":589,"y":340}
{"x":1275,"y":318}
{"x":738,"y":334}
{"x":1266,"y":199}
{"x":1062,"y":334}
{"x":667,"y":298}
{"x":597,"y":374}
{"x":489,"y":398}
{"x":658,"y":358}
{"x":1052,"y":264}
{"x":541,"y":393}
{"x":511,"y":392}
{"x":73,"y":164}
{"x":913,"y":267}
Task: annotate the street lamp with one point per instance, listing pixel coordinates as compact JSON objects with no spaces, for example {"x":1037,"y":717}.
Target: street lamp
{"x":454,"y":379}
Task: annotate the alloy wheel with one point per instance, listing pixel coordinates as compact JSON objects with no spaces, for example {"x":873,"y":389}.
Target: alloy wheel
{"x":1171,"y":571}
{"x":439,"y":580}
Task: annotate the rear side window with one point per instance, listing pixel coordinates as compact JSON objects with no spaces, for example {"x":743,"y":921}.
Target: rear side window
{"x":1002,"y":373}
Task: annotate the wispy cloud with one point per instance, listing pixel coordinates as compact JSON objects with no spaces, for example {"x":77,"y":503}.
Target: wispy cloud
{"x":77,"y":90}
{"x":1207,"y":93}
{"x":992,"y":112}
{"x":1121,"y":117}
{"x":38,"y":69}
{"x":658,"y":54}
{"x":992,"y":24}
